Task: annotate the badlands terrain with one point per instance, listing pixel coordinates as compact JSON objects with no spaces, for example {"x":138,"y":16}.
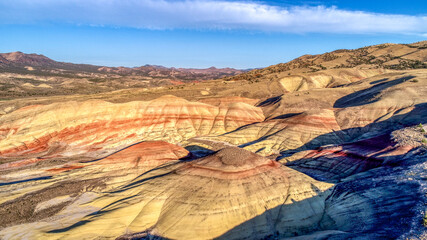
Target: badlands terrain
{"x":330,"y":146}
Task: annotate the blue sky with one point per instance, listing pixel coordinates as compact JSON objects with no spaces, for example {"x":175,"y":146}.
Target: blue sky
{"x":203,"y":33}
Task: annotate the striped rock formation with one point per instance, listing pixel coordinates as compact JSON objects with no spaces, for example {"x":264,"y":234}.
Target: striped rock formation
{"x":99,"y":127}
{"x":231,"y":194}
{"x":90,"y":169}
{"x":32,"y":195}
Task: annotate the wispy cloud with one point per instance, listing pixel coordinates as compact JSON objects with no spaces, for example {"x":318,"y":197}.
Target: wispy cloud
{"x":208,"y":14}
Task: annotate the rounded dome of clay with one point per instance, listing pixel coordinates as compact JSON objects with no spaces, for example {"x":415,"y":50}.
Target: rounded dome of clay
{"x":232,"y":194}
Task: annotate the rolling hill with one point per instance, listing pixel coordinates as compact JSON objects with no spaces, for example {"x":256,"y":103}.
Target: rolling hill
{"x":332,"y":146}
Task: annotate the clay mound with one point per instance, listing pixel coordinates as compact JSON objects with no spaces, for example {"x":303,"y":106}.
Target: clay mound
{"x":139,"y":157}
{"x":102,"y":127}
{"x":33,"y":194}
{"x":230,"y":162}
{"x":146,"y":153}
{"x":213,"y":195}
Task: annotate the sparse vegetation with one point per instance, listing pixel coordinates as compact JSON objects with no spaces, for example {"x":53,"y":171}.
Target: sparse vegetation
{"x":340,"y":66}
{"x":421,"y":128}
{"x":329,"y":57}
{"x":382,"y":46}
{"x":317,"y":68}
{"x":360,"y":58}
{"x":417,"y":47}
{"x":407,"y":64}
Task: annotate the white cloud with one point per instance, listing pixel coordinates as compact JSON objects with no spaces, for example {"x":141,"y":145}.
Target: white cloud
{"x":208,"y":14}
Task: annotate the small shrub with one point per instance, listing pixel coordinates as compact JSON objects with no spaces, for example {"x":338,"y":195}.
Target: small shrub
{"x":421,"y":128}
{"x":382,"y":46}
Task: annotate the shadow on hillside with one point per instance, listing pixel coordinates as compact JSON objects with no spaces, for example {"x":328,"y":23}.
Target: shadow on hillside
{"x":25,"y":180}
{"x":378,"y":81}
{"x":284,"y":116}
{"x":270,"y":101}
{"x":368,"y":208}
{"x":366,"y":96}
{"x":196,"y":152}
{"x":239,"y":128}
{"x":372,"y":136}
{"x":414,"y":117}
{"x":333,"y":164}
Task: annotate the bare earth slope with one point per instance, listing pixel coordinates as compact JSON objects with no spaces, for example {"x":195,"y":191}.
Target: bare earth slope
{"x":335,"y":153}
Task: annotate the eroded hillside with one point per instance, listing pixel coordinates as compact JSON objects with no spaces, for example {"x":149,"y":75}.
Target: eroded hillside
{"x":338,"y":153}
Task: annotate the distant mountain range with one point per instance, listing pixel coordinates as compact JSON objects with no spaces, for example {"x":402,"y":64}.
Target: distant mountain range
{"x":24,"y":75}
{"x":21,"y":62}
